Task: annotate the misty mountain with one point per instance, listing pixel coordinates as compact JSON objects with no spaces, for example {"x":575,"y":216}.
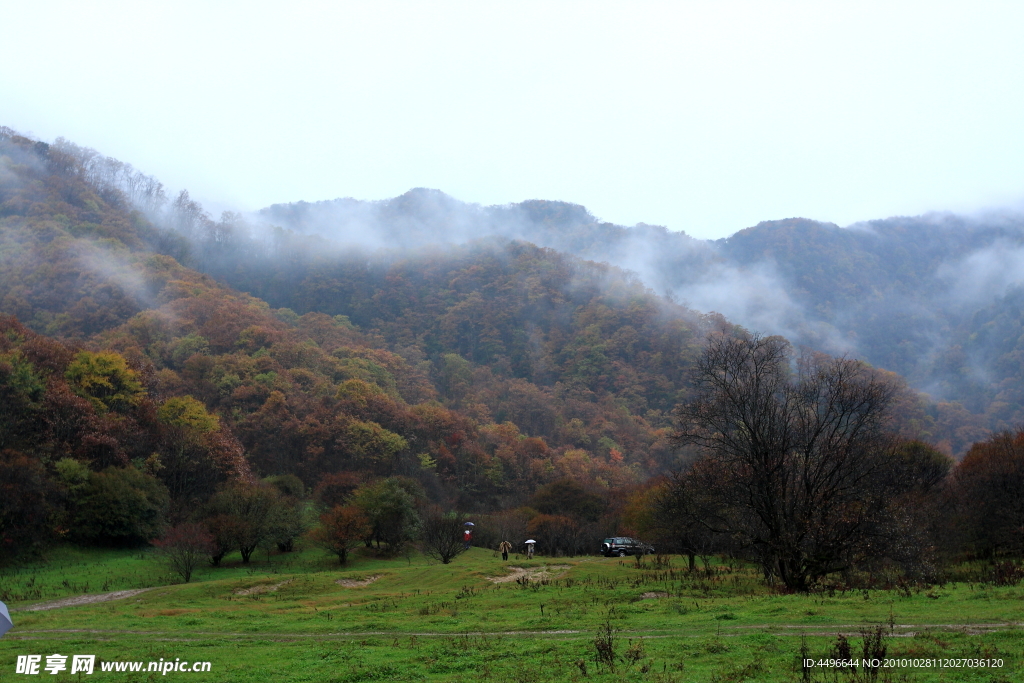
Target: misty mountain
{"x":427,"y":276}
{"x":483,"y":372}
{"x":423,"y":217}
{"x":935,"y":298}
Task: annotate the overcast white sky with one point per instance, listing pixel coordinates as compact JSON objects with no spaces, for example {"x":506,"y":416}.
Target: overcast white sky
{"x":706,"y":117}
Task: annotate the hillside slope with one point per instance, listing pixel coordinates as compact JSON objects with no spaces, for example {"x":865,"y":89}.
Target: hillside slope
{"x":483,"y":373}
{"x":934,"y":298}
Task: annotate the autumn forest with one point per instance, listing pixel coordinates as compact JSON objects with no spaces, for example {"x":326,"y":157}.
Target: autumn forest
{"x":244,"y":382}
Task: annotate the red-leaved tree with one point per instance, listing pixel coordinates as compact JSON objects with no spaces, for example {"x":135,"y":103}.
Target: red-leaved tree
{"x":184,"y":547}
{"x":341,"y":529}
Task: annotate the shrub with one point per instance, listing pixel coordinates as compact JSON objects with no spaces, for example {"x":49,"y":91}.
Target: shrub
{"x":441,"y":535}
{"x":119,"y":506}
{"x":184,"y":547}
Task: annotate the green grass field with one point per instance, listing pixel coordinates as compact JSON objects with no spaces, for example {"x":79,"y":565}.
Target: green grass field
{"x":287,"y":618}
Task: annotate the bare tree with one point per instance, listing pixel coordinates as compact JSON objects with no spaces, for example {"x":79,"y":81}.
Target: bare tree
{"x":681,"y":512}
{"x":560,"y":534}
{"x":187,"y":215}
{"x":441,"y":535}
{"x":506,"y":525}
{"x":793,"y":454}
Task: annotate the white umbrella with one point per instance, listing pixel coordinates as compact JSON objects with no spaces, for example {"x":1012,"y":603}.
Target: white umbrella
{"x":531,"y":541}
{"x":5,"y":619}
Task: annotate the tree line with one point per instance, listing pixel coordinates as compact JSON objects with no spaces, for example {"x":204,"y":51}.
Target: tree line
{"x":799,"y":468}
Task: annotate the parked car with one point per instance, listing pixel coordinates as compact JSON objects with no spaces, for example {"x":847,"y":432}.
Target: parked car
{"x":623,"y":545}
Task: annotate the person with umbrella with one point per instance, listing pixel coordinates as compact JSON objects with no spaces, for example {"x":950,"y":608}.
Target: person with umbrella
{"x":529,"y":549}
{"x":5,"y":619}
{"x":467,"y":535}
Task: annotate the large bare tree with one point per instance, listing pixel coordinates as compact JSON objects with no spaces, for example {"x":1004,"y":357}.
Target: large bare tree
{"x":441,"y":535}
{"x":793,"y":454}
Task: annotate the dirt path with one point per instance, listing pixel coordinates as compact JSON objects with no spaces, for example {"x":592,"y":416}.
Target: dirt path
{"x":358,"y":583}
{"x":83,"y":600}
{"x":552,"y":571}
{"x":791,"y":630}
{"x":262,"y":588}
{"x":77,"y":600}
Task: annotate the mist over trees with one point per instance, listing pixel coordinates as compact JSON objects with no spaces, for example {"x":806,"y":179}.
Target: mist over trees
{"x":933,"y":298}
{"x":257,"y":381}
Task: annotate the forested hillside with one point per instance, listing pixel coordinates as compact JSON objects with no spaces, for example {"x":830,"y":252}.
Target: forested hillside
{"x":936,"y":299}
{"x":933,"y":298}
{"x":160,"y":369}
{"x":481,"y":374}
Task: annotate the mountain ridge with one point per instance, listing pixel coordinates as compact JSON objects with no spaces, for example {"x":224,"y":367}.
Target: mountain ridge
{"x":904,"y":293}
{"x":770,"y":277}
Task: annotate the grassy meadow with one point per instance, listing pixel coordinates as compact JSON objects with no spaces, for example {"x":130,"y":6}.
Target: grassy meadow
{"x":302,"y":617}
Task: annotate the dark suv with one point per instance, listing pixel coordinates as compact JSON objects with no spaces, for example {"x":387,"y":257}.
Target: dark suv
{"x":623,"y":545}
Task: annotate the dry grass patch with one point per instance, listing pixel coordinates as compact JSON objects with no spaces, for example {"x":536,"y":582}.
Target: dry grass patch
{"x":552,"y":571}
{"x":358,"y":583}
{"x":262,"y":588}
{"x":83,"y":600}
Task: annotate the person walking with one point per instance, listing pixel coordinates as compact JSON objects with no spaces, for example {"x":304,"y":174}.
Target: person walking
{"x":504,"y":547}
{"x":529,"y":549}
